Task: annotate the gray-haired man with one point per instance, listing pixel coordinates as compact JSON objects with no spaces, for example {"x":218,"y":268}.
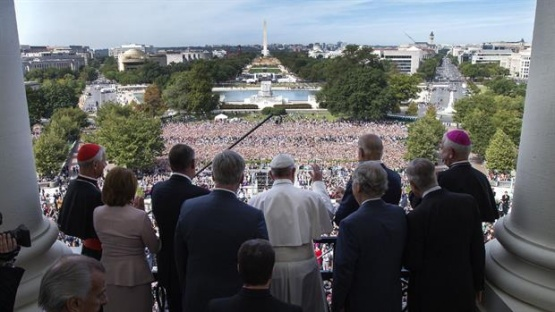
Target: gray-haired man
{"x":75,"y":283}
{"x":370,"y":245}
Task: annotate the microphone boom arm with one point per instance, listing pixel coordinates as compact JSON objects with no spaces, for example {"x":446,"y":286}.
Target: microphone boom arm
{"x":239,"y":141}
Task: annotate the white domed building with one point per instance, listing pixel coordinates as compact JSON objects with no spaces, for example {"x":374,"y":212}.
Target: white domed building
{"x":131,"y":59}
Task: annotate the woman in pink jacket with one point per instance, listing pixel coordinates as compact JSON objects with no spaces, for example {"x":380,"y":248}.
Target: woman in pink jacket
{"x":124,"y":232}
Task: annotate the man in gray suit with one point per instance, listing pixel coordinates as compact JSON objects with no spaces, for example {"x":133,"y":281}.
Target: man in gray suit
{"x":369,"y":250}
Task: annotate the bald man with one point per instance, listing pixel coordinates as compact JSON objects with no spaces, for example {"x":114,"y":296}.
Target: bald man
{"x":370,"y":148}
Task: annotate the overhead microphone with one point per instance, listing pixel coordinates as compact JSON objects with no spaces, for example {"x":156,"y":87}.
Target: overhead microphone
{"x":243,"y":137}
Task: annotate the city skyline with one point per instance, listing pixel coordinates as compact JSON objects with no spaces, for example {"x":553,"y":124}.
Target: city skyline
{"x":104,"y":24}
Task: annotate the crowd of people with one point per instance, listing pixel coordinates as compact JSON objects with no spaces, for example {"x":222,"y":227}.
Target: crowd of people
{"x":309,"y":141}
{"x":332,"y":145}
{"x":319,"y":157}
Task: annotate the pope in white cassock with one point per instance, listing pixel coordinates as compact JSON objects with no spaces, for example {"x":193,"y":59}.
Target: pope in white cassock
{"x":294,"y":217}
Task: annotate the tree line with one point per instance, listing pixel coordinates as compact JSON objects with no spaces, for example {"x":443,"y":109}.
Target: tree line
{"x":181,"y":86}
{"x":494,"y":121}
{"x":51,"y":148}
{"x":357,"y":84}
{"x":492,"y":116}
{"x":59,"y":88}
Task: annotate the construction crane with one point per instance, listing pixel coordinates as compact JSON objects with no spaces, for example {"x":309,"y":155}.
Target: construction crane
{"x":410,"y":37}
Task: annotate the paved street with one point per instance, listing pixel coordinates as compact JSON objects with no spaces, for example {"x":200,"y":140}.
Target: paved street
{"x":100,"y":91}
{"x":448,"y":80}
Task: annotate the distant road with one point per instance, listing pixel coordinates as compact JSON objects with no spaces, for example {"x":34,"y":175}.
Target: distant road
{"x":447,"y":79}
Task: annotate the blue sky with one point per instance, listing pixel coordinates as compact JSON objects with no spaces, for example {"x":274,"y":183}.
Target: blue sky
{"x":110,"y":23}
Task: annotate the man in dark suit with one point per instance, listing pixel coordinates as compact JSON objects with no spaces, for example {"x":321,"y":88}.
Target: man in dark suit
{"x":505,"y":199}
{"x":370,"y":148}
{"x":256,"y":259}
{"x":461,"y":177}
{"x":369,"y":250}
{"x":445,"y":250}
{"x":167,"y":198}
{"x":209,"y":232}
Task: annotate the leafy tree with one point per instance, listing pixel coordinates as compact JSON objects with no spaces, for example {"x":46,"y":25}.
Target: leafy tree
{"x":356,"y":86}
{"x":52,"y":95}
{"x":501,"y":153}
{"x":96,"y":62}
{"x":228,"y":68}
{"x":431,"y":111}
{"x":276,"y":111}
{"x":481,"y":128}
{"x":35,"y":104}
{"x":403,"y":87}
{"x":412,"y":110}
{"x":424,"y":136}
{"x":51,"y":148}
{"x":153,"y":103}
{"x":132,"y":139}
{"x":176,"y":94}
{"x":504,"y":112}
{"x":507,"y":87}
{"x":61,"y":93}
{"x":454,"y":59}
{"x":510,"y":122}
{"x":482,"y":70}
{"x":427,"y":69}
{"x":307,"y":68}
{"x":110,"y":67}
{"x":88,"y":74}
{"x":150,"y":71}
{"x":360,"y":93}
{"x":65,"y":128}
{"x":464,"y":106}
{"x":75,"y":114}
{"x":473,"y":87}
{"x":51,"y":73}
{"x":67,"y":123}
{"x":191,"y":91}
{"x":50,"y":153}
{"x":111,"y":109}
{"x":437,"y":128}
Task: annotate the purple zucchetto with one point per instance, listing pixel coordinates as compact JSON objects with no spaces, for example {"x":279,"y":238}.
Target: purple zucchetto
{"x":459,"y":136}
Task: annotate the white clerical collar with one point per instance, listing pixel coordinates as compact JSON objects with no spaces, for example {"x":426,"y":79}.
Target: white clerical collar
{"x":181,"y":175}
{"x":435,"y":188}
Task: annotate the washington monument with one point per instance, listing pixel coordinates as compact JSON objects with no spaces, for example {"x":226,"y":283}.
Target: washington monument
{"x":265,"y":52}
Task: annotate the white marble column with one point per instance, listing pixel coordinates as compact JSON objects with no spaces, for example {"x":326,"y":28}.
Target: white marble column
{"x":520,"y":264}
{"x":18,"y":179}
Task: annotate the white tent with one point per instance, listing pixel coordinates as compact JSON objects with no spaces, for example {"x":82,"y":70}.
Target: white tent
{"x":220,"y":117}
